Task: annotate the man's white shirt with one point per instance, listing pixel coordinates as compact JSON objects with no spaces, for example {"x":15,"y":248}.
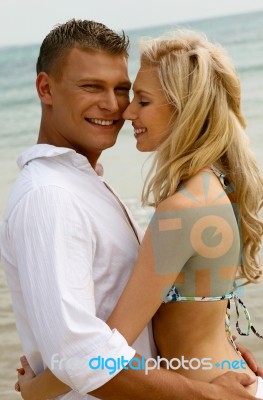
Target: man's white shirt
{"x":68,"y":249}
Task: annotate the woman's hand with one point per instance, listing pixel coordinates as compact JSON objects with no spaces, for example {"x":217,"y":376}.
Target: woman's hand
{"x":25,"y":376}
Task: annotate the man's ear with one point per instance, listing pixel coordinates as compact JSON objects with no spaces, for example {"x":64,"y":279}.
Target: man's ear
{"x":43,"y":85}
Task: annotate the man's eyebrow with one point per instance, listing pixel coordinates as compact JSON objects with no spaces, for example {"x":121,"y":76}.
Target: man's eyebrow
{"x":103,"y":82}
{"x":125,"y":83}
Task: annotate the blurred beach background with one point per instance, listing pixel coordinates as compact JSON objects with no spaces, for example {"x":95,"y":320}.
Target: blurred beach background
{"x":241,"y":35}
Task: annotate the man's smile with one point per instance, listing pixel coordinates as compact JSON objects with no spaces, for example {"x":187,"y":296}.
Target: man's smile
{"x":103,"y":122}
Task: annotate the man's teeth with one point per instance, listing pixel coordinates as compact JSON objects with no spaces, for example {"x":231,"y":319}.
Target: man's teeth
{"x":139,"y":130}
{"x":100,"y":121}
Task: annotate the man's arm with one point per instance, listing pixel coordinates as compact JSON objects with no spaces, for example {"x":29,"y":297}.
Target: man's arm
{"x":47,"y":384}
{"x":158,"y":385}
{"x":166,"y":385}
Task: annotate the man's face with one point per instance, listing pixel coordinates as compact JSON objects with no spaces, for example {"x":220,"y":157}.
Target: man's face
{"x":88,"y":101}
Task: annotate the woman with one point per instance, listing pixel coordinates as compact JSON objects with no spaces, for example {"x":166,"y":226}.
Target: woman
{"x":207,"y":192}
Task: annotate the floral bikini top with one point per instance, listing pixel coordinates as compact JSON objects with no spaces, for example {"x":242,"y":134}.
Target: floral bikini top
{"x":232,"y":297}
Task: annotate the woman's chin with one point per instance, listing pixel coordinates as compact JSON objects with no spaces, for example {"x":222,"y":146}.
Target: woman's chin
{"x":144,"y":148}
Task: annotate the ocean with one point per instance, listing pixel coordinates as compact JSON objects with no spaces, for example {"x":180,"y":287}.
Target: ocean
{"x":124,"y":166}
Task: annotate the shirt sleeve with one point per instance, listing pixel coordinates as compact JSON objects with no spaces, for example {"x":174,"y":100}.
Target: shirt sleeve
{"x":54,"y":248}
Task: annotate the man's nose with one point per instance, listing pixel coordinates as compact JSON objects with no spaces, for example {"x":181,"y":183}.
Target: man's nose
{"x":109,"y":102}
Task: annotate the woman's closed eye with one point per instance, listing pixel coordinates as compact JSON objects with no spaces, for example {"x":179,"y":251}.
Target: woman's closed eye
{"x":144,"y":103}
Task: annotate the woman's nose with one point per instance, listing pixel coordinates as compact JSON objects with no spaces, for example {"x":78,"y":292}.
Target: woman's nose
{"x":130,"y":112}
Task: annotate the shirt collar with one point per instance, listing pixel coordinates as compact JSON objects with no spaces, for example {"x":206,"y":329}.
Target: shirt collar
{"x":50,"y":151}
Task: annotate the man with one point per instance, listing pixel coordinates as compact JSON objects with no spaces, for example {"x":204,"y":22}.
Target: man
{"x":68,"y":243}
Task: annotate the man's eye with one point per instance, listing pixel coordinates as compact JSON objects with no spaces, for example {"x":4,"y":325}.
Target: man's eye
{"x":123,"y":91}
{"x":91,"y":87}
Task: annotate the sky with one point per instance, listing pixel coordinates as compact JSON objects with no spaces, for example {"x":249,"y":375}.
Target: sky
{"x":28,"y":21}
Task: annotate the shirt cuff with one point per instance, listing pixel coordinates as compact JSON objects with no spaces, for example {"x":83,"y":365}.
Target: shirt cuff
{"x":89,"y":372}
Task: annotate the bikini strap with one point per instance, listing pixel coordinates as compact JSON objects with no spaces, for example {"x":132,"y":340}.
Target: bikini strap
{"x":219,"y":174}
{"x":174,"y":296}
{"x":228,"y":328}
{"x":250,"y":327}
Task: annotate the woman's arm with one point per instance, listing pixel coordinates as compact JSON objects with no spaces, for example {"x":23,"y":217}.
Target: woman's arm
{"x":158,"y":264}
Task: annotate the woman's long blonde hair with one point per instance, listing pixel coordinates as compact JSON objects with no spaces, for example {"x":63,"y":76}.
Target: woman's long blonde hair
{"x":201,"y":83}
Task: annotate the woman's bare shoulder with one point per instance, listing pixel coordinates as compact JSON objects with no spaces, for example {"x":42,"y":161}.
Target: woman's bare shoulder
{"x":200,"y":190}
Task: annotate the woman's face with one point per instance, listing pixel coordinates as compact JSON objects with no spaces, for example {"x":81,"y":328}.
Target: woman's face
{"x":149,"y":111}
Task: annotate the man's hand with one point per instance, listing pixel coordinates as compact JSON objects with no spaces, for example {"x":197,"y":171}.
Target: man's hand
{"x":228,"y":386}
{"x":25,"y":375}
{"x":250,"y":359}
